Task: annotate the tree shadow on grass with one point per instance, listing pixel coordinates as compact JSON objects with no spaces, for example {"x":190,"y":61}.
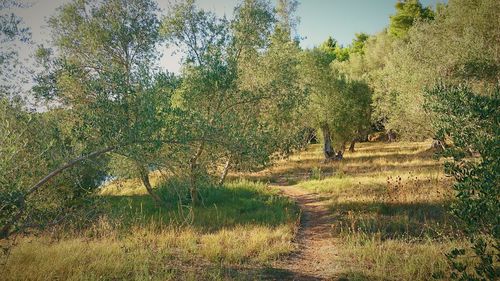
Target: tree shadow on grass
{"x":219,"y":208}
{"x":283,"y":274}
{"x":227,"y":272}
{"x":376,"y":147}
{"x":358,"y":276}
{"x":417,"y":220}
{"x":276,"y":274}
{"x":300,"y":170}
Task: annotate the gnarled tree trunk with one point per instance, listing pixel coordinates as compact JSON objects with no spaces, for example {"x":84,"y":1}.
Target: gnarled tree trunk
{"x":144,"y":173}
{"x":351,"y":146}
{"x":193,"y":171}
{"x":328,"y":150}
{"x":391,"y":136}
{"x":225,"y":171}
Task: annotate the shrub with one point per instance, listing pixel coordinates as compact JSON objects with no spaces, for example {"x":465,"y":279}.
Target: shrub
{"x":472,"y":122}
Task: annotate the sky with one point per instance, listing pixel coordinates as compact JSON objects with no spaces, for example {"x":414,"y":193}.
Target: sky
{"x":319,"y":19}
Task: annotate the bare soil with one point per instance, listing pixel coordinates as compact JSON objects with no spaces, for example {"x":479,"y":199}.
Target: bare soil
{"x":316,"y":257}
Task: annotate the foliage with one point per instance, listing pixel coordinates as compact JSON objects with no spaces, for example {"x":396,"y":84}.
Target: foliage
{"x":337,"y":103}
{"x":26,"y":148}
{"x":334,"y":50}
{"x":427,"y":56}
{"x":247,"y":95}
{"x":472,"y":121}
{"x":358,"y":43}
{"x":407,"y":13}
{"x":239,"y":84}
{"x":108,"y":96}
{"x":104,"y":74}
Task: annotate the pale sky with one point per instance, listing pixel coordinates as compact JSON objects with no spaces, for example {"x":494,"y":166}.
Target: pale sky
{"x":318,"y":20}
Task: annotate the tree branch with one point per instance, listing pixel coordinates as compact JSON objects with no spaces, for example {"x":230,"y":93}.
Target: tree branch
{"x":5,"y":232}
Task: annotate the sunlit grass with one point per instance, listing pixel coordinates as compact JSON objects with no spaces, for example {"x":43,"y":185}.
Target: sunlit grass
{"x":403,"y":195}
{"x":389,"y":204}
{"x":129,"y":187}
{"x":368,"y":257}
{"x":370,"y":159}
{"x":144,"y":254}
{"x":236,"y":203}
{"x":240,"y":224}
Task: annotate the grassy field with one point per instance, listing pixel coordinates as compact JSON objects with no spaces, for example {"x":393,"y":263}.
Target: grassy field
{"x":392,"y":190}
{"x":239,"y":229}
{"x":388,"y":204}
{"x":387,"y":201}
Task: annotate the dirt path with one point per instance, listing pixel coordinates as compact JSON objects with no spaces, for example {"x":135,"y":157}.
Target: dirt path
{"x":316,"y":258}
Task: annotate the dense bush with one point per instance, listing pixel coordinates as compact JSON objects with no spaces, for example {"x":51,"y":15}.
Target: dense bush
{"x":28,"y":154}
{"x":472,"y":122}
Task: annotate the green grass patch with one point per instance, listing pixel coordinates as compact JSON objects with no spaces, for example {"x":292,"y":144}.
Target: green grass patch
{"x":236,"y":203}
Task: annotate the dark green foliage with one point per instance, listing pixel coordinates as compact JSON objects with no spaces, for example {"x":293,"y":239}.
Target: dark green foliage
{"x":239,"y":87}
{"x":28,"y":154}
{"x":334,"y":51}
{"x":472,"y":122}
{"x":337,"y":103}
{"x":407,"y":12}
{"x":358,"y":43}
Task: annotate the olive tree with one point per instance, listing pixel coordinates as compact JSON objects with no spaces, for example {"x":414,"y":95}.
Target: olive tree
{"x":29,"y":157}
{"x":102,"y":78}
{"x":107,"y":51}
{"x":236,"y":85}
{"x":338,"y":105}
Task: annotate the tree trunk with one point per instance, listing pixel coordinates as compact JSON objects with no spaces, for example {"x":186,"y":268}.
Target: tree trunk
{"x":351,"y":147}
{"x":192,"y":184}
{"x":145,"y":180}
{"x":193,"y":170}
{"x":327,"y":143}
{"x":225,"y":171}
{"x":5,"y":232}
{"x":391,"y":136}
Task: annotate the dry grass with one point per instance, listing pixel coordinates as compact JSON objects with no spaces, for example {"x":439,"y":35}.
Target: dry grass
{"x":147,"y":255}
{"x":388,"y":205}
{"x":241,"y":228}
{"x":395,"y":190}
{"x":130,"y":187}
{"x":367,"y":257}
{"x":370,"y":159}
